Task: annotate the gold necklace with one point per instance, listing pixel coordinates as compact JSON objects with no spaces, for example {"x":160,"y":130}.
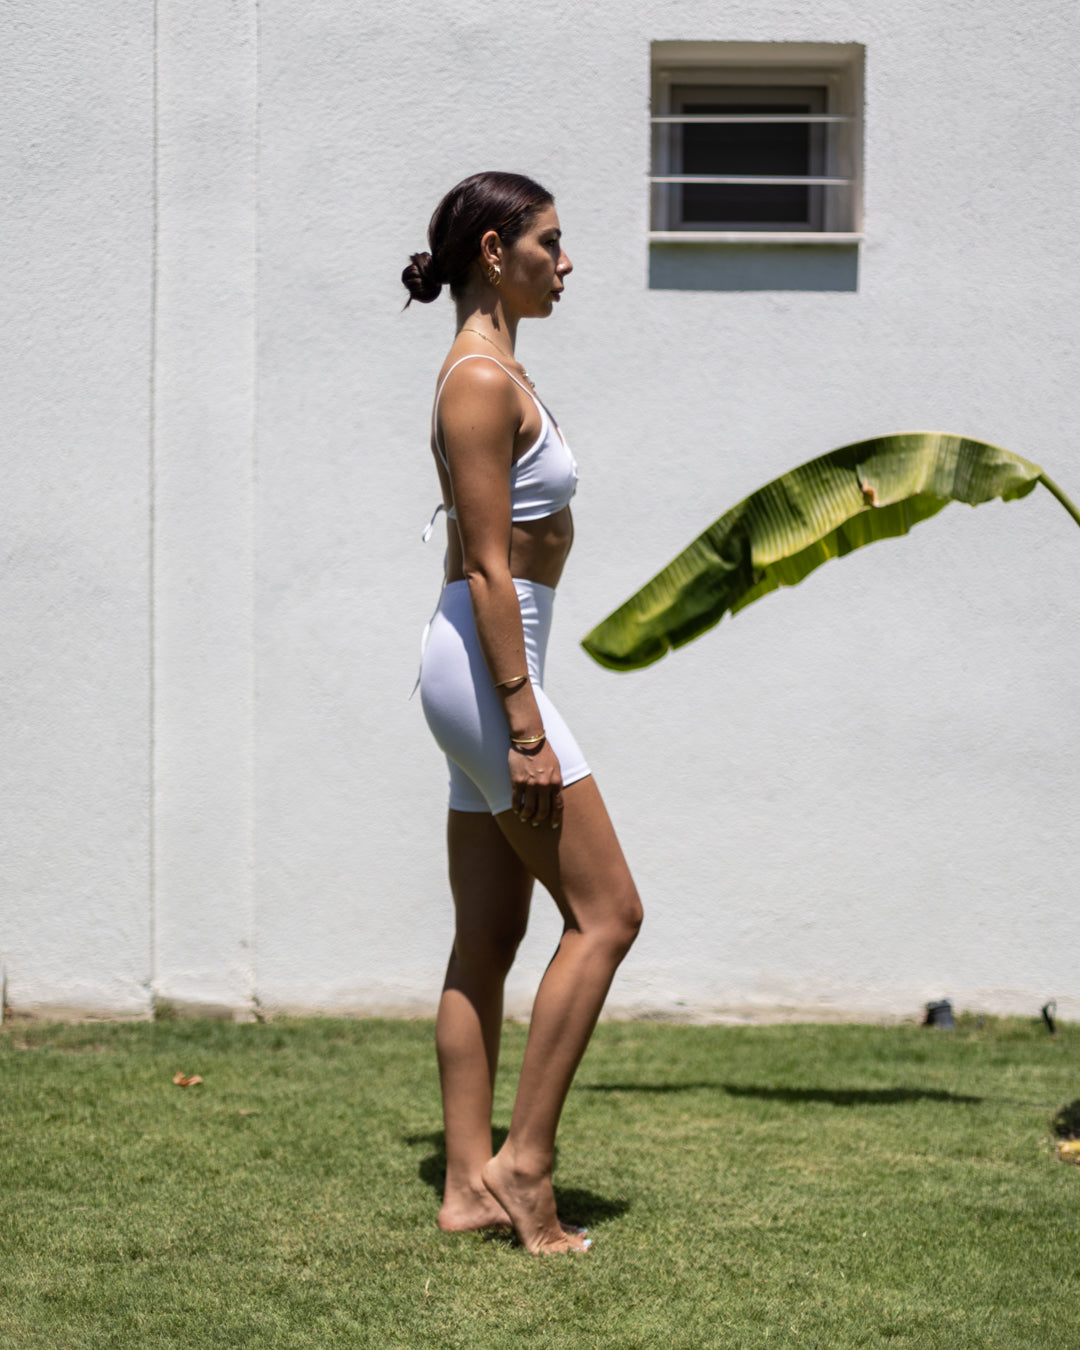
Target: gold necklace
{"x":501,"y":352}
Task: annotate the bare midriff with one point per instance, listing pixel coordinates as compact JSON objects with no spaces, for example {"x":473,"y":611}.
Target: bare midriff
{"x":538,"y":548}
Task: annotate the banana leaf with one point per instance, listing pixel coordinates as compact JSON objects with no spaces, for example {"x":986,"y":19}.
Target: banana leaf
{"x":875,"y":489}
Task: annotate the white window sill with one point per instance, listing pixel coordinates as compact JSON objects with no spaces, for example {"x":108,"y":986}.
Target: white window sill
{"x":751,"y":237}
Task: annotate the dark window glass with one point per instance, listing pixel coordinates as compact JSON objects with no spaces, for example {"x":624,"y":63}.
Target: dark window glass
{"x":767,"y":148}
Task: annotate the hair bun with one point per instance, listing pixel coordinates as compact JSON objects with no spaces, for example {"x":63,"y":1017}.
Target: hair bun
{"x":423,"y":279}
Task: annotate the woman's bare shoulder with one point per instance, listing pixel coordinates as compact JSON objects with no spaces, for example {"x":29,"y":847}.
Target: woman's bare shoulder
{"x":477,"y":391}
{"x":472,"y":371}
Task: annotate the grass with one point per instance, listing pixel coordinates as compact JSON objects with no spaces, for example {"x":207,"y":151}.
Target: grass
{"x":833,"y":1187}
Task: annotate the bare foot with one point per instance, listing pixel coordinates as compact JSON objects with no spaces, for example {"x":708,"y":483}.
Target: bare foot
{"x":530,"y":1202}
{"x":471,"y":1211}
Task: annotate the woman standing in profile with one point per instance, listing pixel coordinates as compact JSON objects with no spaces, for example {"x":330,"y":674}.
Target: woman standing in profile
{"x":523,"y":804}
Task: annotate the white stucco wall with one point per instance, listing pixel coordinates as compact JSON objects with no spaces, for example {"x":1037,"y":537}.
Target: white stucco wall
{"x":204,"y":455}
{"x":858,"y":796}
{"x":75,"y":323}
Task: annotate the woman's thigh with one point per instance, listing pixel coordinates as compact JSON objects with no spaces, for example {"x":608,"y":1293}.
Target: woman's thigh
{"x":582,"y":863}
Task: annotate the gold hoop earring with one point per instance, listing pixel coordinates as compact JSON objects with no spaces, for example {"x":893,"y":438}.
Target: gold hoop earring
{"x":494,"y":273}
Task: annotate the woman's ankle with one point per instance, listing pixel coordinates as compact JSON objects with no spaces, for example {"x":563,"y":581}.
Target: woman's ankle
{"x":527,"y":1162}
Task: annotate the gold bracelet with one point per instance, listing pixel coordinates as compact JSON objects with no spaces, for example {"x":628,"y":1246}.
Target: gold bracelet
{"x":528,"y":740}
{"x":516,"y":680}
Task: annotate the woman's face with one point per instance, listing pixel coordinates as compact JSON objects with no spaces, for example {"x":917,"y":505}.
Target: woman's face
{"x":534,"y":266}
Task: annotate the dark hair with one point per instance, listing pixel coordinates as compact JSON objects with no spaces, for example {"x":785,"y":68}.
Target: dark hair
{"x":504,"y":202}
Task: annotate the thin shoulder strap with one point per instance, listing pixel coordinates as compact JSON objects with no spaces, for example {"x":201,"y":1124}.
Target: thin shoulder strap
{"x":472,"y":356}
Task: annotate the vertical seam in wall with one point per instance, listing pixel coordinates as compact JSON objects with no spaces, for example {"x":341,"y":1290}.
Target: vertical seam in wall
{"x":253,"y":728}
{"x":152,"y":514}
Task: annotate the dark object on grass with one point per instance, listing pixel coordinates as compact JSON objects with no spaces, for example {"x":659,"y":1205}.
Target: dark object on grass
{"x":940,"y":1015}
{"x":1066,"y":1124}
{"x":1048,"y":1011}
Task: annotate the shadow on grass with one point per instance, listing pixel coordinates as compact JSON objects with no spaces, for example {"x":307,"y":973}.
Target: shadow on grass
{"x":1066,"y":1123}
{"x":833,"y":1096}
{"x":575,"y":1204}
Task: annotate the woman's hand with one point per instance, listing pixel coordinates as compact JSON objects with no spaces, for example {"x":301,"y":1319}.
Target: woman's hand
{"x":536,"y":782}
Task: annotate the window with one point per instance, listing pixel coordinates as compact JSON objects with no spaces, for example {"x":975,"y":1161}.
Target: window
{"x":756,"y":142}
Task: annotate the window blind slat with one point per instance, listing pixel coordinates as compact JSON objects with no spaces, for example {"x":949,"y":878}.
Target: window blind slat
{"x":752,"y":237}
{"x":775,"y":118}
{"x":757,"y":180}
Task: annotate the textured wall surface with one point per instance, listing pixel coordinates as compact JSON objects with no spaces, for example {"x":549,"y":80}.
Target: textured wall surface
{"x":204,"y":525}
{"x":75,"y":323}
{"x":857,"y":796}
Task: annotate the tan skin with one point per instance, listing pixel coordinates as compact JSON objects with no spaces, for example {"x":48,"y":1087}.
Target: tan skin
{"x":561,"y":836}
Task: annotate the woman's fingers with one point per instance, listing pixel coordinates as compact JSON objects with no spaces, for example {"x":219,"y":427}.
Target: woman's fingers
{"x":536,"y":795}
{"x":543,"y":806}
{"x":538,"y":804}
{"x":529,"y":810}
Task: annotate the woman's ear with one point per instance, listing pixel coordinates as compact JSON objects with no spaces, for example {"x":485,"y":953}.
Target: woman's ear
{"x":490,"y":248}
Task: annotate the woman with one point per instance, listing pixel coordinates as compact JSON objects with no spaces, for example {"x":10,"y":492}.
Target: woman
{"x":523,"y":804}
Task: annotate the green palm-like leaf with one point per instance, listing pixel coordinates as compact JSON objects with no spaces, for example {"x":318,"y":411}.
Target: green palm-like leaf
{"x":876,"y":489}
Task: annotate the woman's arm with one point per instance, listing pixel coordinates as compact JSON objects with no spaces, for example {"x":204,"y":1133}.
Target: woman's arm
{"x":480,"y":416}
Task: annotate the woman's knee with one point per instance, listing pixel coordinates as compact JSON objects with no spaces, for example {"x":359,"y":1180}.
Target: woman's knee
{"x":631,"y":914}
{"x":620,"y":921}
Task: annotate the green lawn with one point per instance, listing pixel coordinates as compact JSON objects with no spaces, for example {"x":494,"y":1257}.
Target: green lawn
{"x":747,"y":1187}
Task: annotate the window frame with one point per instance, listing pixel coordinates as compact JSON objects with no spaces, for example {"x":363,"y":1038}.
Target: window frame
{"x":730,"y":68}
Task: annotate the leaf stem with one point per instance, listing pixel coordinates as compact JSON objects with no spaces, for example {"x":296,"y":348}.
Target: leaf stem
{"x":1066,"y":503}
